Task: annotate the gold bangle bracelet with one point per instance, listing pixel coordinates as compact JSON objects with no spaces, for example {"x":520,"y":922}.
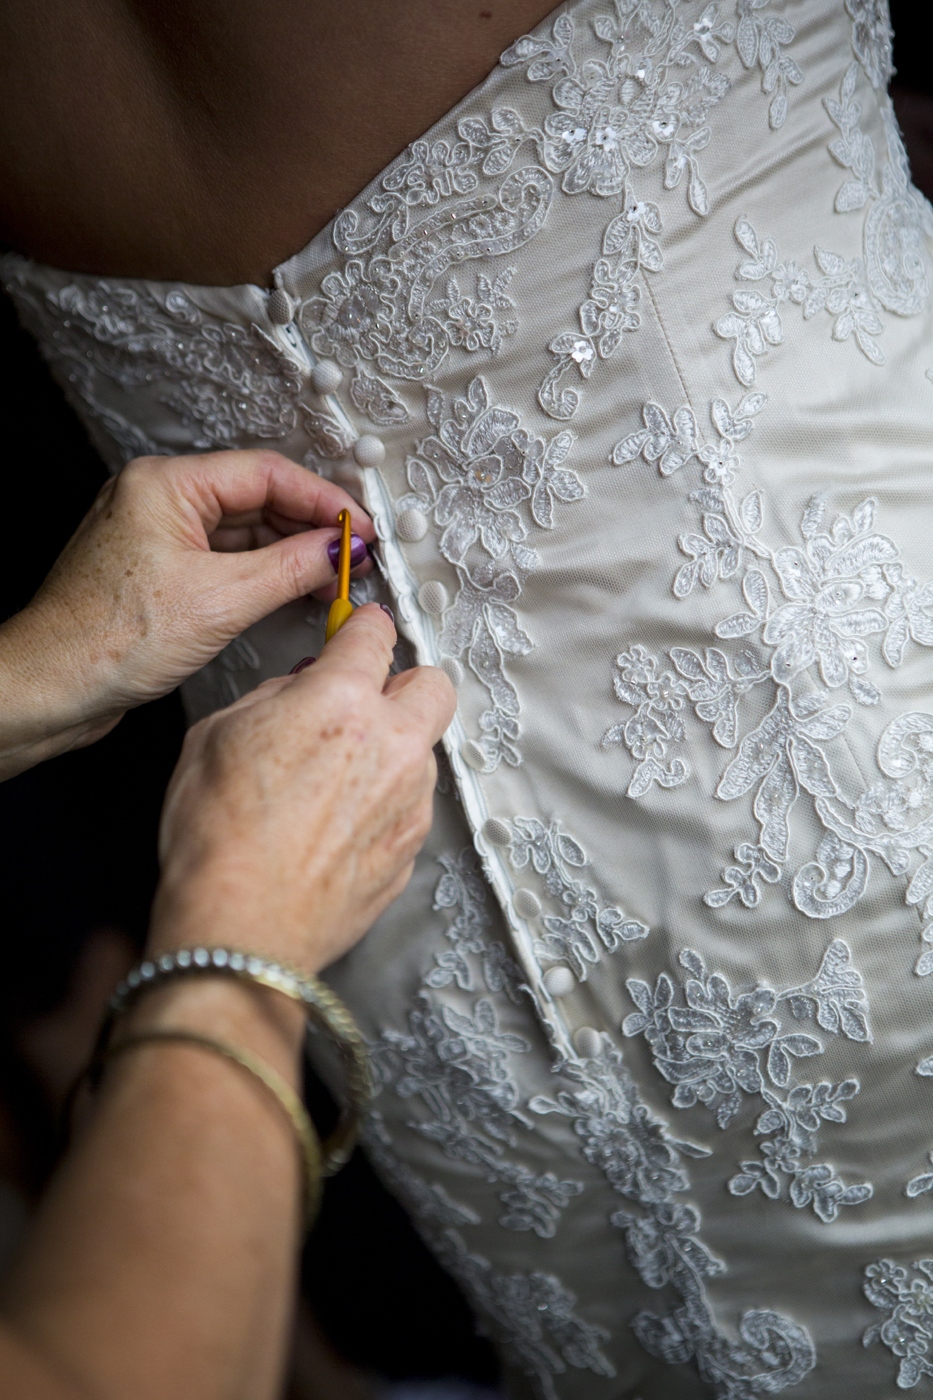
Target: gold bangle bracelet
{"x":280,"y":1088}
{"x":323,"y":1008}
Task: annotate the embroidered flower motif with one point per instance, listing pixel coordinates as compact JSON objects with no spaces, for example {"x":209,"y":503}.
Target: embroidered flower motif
{"x":462,"y":888}
{"x":532,"y":1313}
{"x":644,"y":100}
{"x":742,"y":880}
{"x":486,"y":482}
{"x":872,"y":39}
{"x":345,"y":320}
{"x":226,"y":381}
{"x":577,"y":933}
{"x":845,"y":585}
{"x":823,"y":621}
{"x":892,"y":275}
{"x":715,"y":1046}
{"x":907,"y":1332}
{"x":475,"y":322}
{"x":428,"y":218}
{"x":655,"y":727}
{"x":645,"y":1165}
{"x":759,"y":41}
{"x":456,"y":1063}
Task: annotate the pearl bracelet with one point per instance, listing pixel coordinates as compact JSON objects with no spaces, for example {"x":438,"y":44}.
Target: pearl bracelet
{"x":322,"y":1006}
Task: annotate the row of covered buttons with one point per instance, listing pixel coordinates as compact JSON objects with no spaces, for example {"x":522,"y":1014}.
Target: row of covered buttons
{"x":411,"y":525}
{"x":326,"y":378}
{"x":558,"y":980}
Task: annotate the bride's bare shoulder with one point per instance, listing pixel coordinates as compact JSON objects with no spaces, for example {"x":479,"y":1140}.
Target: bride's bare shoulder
{"x":208,"y":142}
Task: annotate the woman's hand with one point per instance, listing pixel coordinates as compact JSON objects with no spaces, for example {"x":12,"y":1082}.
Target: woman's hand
{"x":161,"y":574}
{"x":294,"y":816}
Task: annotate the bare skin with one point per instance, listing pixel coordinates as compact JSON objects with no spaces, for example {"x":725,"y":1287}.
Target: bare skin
{"x":209,"y":141}
{"x":175,"y":558}
{"x":163,"y":1260}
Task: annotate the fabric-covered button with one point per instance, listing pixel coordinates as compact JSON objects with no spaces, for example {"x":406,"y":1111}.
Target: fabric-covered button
{"x":369,"y":450}
{"x":473,"y":755}
{"x":281,"y":307}
{"x":588,"y":1042}
{"x":411,"y":525}
{"x":496,"y":832}
{"x":453,"y":669}
{"x":559,"y":981}
{"x":326,"y":377}
{"x":433,"y":596}
{"x":526,"y":903}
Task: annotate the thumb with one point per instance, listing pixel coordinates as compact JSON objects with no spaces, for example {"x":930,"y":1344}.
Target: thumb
{"x":260,"y":580}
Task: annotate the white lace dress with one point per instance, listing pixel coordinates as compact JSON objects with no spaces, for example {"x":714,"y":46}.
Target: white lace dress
{"x":643,"y":329}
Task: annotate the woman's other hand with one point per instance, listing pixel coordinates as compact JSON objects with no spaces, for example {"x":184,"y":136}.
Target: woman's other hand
{"x":175,"y":558}
{"x":294,"y":816}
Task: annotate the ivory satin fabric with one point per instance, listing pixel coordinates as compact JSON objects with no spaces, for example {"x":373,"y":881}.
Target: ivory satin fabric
{"x":643,"y":326}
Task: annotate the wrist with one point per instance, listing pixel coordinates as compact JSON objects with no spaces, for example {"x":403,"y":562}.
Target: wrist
{"x":228,"y":902}
{"x":255,"y":1018}
{"x":44,"y":698}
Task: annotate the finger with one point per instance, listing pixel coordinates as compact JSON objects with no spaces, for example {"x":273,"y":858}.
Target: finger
{"x":427,"y":697}
{"x":362,"y":646}
{"x":234,"y":483}
{"x":260,"y":580}
{"x":329,"y":593}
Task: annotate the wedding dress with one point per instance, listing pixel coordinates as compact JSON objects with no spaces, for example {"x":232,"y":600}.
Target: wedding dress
{"x":629,"y":357}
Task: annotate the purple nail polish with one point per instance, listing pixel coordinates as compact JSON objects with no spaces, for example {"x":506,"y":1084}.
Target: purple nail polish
{"x":389,"y":613}
{"x":300,"y":665}
{"x":358,"y":552}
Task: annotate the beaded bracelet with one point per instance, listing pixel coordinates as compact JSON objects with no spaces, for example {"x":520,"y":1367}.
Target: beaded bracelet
{"x":321,"y":1005}
{"x":294,"y":1109}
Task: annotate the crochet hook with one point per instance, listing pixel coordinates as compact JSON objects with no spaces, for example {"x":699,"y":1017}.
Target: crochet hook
{"x":341,"y":608}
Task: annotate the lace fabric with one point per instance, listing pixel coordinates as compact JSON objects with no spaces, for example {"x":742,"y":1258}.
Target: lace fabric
{"x":651,"y":1020}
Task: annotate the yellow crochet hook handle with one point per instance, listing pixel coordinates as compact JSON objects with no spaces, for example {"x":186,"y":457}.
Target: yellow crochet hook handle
{"x":341,"y":608}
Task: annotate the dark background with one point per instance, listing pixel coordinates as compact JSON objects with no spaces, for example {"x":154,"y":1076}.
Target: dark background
{"x":77,"y":853}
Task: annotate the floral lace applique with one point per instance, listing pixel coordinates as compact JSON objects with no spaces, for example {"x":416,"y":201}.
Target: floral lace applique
{"x":814,"y":609}
{"x":381,"y":308}
{"x":456,"y":1064}
{"x":715,"y":1046}
{"x":428,"y":1203}
{"x":372,"y":396}
{"x":644,"y":100}
{"x":873,"y":39}
{"x":480,"y":322}
{"x":906,"y":1295}
{"x":645,"y":1165}
{"x":226,"y":381}
{"x":583,"y":927}
{"x":533,"y":1314}
{"x":892,"y":275}
{"x":920,"y":1185}
{"x":759,"y":41}
{"x":485,"y":482}
{"x":462,"y":888}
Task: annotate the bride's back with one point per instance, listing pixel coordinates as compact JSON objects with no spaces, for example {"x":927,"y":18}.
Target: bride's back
{"x":208,"y":141}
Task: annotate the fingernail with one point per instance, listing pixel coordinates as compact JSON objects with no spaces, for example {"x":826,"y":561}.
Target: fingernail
{"x":389,"y":613}
{"x":300,"y":666}
{"x":358,"y":552}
